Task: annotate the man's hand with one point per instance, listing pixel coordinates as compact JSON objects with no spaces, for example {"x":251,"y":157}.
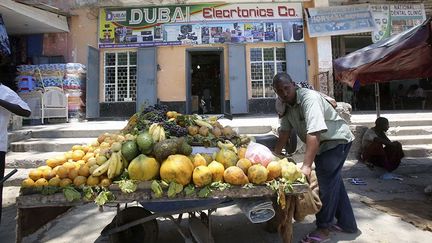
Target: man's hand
{"x":306,"y":170}
{"x":282,"y":140}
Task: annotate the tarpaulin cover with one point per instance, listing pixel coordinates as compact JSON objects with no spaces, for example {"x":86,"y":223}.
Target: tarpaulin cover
{"x":407,"y":55}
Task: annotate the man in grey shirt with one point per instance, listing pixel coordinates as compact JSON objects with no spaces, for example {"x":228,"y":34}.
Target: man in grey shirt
{"x":328,"y":140}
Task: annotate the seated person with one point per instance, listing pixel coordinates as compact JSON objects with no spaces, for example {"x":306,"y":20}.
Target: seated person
{"x":377,"y":148}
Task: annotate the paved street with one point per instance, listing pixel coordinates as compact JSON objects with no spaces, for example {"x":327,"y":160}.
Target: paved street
{"x":230,"y":225}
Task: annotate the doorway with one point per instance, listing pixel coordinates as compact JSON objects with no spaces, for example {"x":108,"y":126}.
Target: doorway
{"x":205,"y":82}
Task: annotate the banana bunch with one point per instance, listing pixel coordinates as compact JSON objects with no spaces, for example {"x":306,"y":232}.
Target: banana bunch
{"x":227,"y":145}
{"x":112,"y":167}
{"x":203,"y":123}
{"x":157,"y":132}
{"x":212,"y":120}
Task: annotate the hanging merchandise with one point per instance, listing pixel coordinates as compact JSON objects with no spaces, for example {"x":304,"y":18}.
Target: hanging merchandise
{"x":4,"y":40}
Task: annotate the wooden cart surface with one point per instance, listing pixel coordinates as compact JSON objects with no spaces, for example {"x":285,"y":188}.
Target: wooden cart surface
{"x":47,"y":207}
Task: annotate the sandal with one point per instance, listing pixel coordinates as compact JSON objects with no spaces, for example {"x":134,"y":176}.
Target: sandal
{"x":336,"y":228}
{"x":314,"y":238}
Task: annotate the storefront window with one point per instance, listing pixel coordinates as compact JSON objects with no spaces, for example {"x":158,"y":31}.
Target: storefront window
{"x":265,"y":63}
{"x":120,"y":76}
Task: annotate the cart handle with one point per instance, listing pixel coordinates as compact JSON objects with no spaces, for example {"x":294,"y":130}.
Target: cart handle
{"x":7,"y":176}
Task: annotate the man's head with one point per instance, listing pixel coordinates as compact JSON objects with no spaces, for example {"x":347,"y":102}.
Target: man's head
{"x":382,"y":124}
{"x":285,"y":88}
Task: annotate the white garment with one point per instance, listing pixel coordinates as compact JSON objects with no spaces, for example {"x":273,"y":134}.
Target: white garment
{"x":10,"y":96}
{"x":368,"y":138}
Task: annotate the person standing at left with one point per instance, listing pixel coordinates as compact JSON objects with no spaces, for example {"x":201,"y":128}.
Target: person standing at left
{"x":10,"y":103}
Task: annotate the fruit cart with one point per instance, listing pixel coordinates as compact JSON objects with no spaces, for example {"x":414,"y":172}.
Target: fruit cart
{"x":171,"y":164}
{"x":140,"y":223}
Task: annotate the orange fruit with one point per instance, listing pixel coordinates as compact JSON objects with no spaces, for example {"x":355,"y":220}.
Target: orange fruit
{"x":87,"y":156}
{"x":28,"y":183}
{"x":85,"y":148}
{"x":84,"y":171}
{"x":105,"y":182}
{"x":48,"y":174}
{"x":35,"y":175}
{"x":77,"y":147}
{"x":92,"y":181}
{"x":41,"y":182}
{"x":73,"y":173}
{"x":65,"y":182}
{"x":61,"y":159}
{"x":55,"y":181}
{"x":77,"y":155}
{"x":79,"y":180}
{"x":90,"y":162}
{"x":52,"y":162}
{"x":62,"y":172}
{"x":69,"y":165}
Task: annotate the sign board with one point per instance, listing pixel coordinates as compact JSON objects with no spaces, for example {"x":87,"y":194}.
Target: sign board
{"x":200,"y":24}
{"x":339,"y":20}
{"x":395,"y":18}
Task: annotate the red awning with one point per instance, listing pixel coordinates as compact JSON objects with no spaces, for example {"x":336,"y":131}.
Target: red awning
{"x":407,"y":55}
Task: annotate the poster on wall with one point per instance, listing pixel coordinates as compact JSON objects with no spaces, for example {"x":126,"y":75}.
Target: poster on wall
{"x":395,"y":18}
{"x":4,"y":39}
{"x":200,"y":24}
{"x":339,"y":20}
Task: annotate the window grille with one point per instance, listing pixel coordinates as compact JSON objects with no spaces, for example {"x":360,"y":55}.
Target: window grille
{"x":120,"y":76}
{"x":265,"y":63}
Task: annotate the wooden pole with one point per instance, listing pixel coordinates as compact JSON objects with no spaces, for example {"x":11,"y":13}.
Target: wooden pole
{"x":377,"y":99}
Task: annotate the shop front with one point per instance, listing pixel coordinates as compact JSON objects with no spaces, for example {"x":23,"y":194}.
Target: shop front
{"x":201,"y":58}
{"x":390,"y":18}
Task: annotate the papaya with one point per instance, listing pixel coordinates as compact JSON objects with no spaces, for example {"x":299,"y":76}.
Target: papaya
{"x":244,"y":164}
{"x":217,"y":169}
{"x":201,"y":176}
{"x":226,"y":157}
{"x":235,"y":176}
{"x":274,"y":169}
{"x":177,"y":168}
{"x":290,"y":171}
{"x":257,"y":174}
{"x":143,"y":168}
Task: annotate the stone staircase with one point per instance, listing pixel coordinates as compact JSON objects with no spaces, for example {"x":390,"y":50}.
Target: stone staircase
{"x":31,"y":146}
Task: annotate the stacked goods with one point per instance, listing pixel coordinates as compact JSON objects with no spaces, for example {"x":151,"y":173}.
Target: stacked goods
{"x":74,"y":85}
{"x":149,"y":150}
{"x":70,"y":77}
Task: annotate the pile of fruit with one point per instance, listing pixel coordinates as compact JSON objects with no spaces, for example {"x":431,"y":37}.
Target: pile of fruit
{"x":150,"y":150}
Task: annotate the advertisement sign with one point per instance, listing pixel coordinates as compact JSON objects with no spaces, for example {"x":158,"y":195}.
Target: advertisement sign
{"x":395,"y":18}
{"x":200,"y":24}
{"x":339,"y":20}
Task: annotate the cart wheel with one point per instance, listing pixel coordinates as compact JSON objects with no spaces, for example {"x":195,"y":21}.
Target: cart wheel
{"x":145,"y":232}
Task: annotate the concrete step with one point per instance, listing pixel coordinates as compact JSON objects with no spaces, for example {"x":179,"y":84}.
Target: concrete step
{"x":48,"y":144}
{"x":410,"y":130}
{"x":412,"y":139}
{"x":71,"y":133}
{"x":396,"y":118}
{"x":29,"y":159}
{"x":419,"y":150}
